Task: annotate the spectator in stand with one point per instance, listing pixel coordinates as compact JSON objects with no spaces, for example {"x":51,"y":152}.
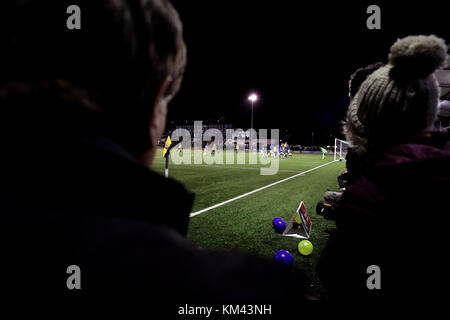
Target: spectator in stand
{"x":386,"y":218}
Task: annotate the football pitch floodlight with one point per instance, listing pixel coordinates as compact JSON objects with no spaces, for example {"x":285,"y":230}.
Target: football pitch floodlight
{"x":253,"y":98}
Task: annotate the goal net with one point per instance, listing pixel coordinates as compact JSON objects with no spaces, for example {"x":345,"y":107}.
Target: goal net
{"x":340,"y":149}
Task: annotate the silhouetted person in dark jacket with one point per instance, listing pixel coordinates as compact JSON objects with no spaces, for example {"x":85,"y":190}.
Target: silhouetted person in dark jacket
{"x":81,"y":111}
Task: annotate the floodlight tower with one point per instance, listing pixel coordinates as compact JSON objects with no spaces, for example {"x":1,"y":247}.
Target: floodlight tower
{"x":253,"y":98}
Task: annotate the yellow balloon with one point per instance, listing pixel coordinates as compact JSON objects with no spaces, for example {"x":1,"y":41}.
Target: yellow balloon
{"x":305,"y":247}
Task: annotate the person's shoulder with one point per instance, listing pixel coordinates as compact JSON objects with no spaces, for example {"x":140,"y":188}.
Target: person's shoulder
{"x":425,"y":149}
{"x":170,"y":189}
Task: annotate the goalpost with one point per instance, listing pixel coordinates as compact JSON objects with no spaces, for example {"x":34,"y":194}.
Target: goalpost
{"x":340,"y":149}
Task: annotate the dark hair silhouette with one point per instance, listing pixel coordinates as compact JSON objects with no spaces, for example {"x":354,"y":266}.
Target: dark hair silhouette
{"x":113,"y":65}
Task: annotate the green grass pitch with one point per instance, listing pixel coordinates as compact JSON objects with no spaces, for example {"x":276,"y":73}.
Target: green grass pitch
{"x":246,"y":224}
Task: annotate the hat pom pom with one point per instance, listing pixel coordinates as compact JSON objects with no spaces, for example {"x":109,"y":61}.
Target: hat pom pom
{"x":417,"y":57}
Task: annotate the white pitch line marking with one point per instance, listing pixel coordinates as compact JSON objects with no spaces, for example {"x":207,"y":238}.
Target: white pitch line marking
{"x":235,"y":167}
{"x":193,"y":214}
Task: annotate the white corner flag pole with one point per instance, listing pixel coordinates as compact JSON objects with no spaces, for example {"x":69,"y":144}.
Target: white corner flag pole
{"x":166,"y":172}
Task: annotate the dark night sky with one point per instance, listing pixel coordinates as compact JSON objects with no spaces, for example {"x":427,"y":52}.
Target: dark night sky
{"x":297,"y":56}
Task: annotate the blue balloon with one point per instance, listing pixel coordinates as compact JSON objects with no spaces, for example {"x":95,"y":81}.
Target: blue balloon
{"x":284,"y":257}
{"x":279,"y":225}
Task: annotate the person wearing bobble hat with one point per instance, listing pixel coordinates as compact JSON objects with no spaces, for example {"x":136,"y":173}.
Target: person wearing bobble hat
{"x":391,"y":223}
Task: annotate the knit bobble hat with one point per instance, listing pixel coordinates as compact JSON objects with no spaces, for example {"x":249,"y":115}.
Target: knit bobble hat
{"x":400,"y":100}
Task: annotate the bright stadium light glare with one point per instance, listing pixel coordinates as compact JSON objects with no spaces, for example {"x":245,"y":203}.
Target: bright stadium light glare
{"x":253,"y":97}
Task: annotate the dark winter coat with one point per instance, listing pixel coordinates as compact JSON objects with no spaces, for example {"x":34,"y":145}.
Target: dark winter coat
{"x":395,"y":218}
{"x":69,"y":196}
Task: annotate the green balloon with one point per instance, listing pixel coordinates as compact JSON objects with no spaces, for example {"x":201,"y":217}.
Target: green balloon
{"x":305,"y":247}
